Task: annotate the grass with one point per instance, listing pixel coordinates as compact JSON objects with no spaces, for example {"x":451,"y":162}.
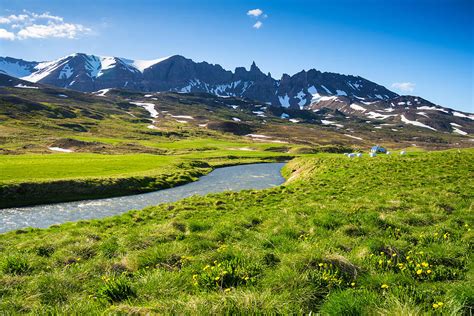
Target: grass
{"x":33,"y":179}
{"x":389,"y":235}
{"x":34,"y":167}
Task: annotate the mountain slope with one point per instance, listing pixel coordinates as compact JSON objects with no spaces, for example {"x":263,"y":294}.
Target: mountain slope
{"x":401,"y":111}
{"x":89,"y":73}
{"x":34,"y":117}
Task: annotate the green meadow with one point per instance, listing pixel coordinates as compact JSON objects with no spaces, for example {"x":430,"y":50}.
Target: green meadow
{"x":38,"y":178}
{"x":389,"y":235}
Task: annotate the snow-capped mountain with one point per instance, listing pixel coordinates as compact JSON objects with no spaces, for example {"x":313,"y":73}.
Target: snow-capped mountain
{"x":329,"y":94}
{"x":89,"y":73}
{"x":398,"y":112}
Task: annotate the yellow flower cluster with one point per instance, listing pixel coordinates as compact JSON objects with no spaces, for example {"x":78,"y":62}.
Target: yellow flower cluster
{"x":414,"y":263}
{"x":438,"y":305}
{"x":435,"y":237}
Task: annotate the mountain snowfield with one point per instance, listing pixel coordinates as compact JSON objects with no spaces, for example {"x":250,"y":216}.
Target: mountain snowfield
{"x":349,"y":96}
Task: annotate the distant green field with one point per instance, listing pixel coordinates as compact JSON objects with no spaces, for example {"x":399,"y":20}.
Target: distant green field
{"x":32,"y":167}
{"x":390,"y":235}
{"x":37,"y":178}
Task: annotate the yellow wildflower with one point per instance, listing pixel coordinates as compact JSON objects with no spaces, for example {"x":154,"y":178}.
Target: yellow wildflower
{"x":424,"y":264}
{"x":435,"y":305}
{"x":353,"y":284}
{"x":394,"y":255}
{"x":440,"y":304}
{"x":419,"y":271}
{"x":321,"y":264}
{"x":227,"y":290}
{"x":428,"y":271}
{"x":384,"y":286}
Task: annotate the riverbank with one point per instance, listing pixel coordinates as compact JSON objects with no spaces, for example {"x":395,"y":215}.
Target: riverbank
{"x":39,"y":179}
{"x":234,"y":178}
{"x":387,"y":235}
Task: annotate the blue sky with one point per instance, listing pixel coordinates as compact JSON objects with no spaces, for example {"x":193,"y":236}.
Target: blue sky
{"x":417,"y":47}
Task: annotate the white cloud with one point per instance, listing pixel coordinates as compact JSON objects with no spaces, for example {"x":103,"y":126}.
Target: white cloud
{"x":4,"y":34}
{"x":255,"y":12}
{"x":39,"y":25}
{"x":404,"y":86}
{"x":13,"y":18}
{"x":63,"y":30}
{"x":257,"y":25}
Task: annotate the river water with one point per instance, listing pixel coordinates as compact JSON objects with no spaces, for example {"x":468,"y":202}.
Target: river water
{"x":236,"y":178}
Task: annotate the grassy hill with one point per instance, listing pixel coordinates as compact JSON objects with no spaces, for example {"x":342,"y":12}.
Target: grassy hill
{"x":390,"y":235}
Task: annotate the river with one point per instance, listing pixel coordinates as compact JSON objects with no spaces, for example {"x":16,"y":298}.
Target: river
{"x":236,"y":178}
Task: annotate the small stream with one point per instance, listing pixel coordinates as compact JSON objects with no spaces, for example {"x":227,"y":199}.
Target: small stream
{"x":236,"y":178}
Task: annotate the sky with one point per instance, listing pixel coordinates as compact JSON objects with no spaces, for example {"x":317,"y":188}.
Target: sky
{"x":416,"y":47}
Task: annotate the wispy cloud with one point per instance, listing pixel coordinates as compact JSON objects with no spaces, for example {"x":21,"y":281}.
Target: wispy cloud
{"x":255,"y":12}
{"x":257,"y":25}
{"x":404,"y":86}
{"x":39,"y":25}
{"x":258,"y":14}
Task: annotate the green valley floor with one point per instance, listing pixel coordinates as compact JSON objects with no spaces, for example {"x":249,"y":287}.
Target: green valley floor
{"x":385,"y":235}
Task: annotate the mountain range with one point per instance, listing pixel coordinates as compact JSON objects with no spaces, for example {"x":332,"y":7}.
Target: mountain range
{"x":312,"y":90}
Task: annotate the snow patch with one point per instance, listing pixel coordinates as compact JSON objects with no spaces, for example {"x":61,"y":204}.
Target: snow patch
{"x":257,"y":136}
{"x":423,"y":114}
{"x":355,"y":137}
{"x":431,"y":108}
{"x":459,"y":114}
{"x":63,"y":150}
{"x":284,"y":101}
{"x":415,"y":123}
{"x":183,"y":116}
{"x":150,"y":107}
{"x":101,"y":93}
{"x":25,"y":86}
{"x":326,"y":122}
{"x":66,"y":72}
{"x":458,"y":131}
{"x":141,"y":65}
{"x":14,"y":69}
{"x":357,"y":107}
{"x":326,"y":89}
{"x":375,"y":115}
{"x":302,"y":96}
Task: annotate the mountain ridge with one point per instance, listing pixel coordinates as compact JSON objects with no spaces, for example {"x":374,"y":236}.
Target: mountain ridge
{"x":88,"y":73}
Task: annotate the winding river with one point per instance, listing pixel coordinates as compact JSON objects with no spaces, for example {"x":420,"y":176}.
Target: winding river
{"x":252,"y":176}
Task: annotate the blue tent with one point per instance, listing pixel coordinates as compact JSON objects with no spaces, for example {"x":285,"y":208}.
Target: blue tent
{"x":378,"y":149}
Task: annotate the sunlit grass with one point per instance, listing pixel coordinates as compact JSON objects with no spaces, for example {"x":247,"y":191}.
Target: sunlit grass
{"x":342,"y":237}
